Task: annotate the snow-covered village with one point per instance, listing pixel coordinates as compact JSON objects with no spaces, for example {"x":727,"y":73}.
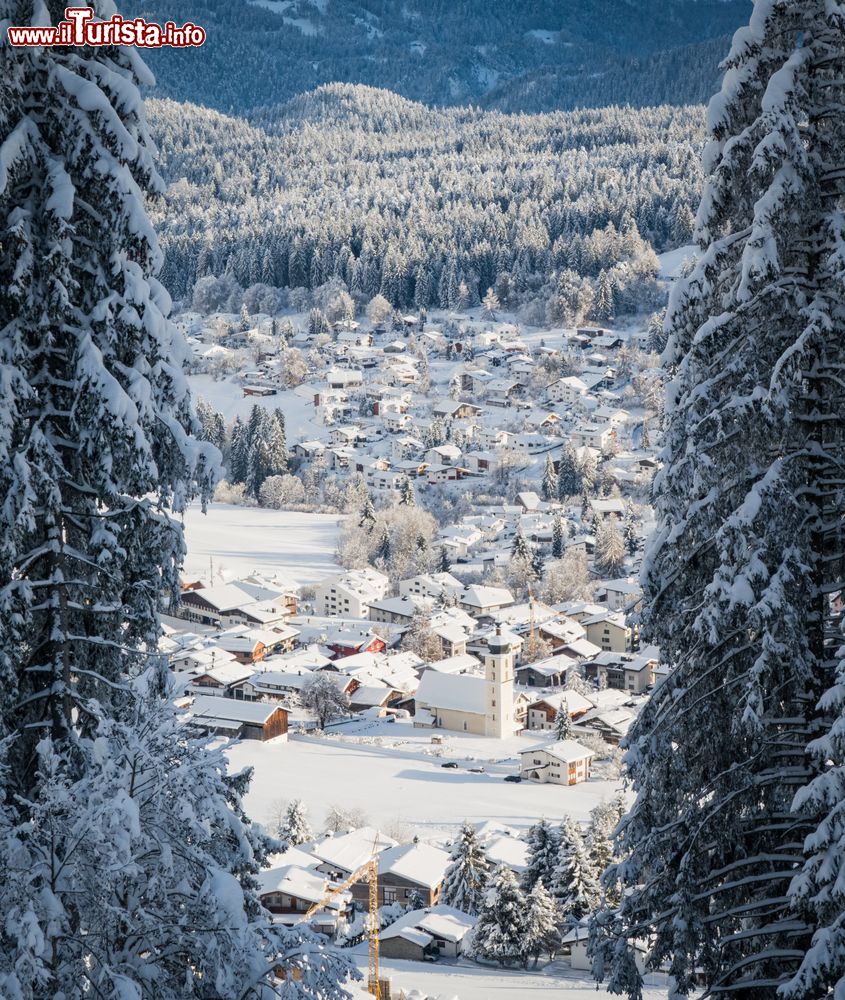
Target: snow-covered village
{"x":422,"y":538}
{"x":415,"y":591}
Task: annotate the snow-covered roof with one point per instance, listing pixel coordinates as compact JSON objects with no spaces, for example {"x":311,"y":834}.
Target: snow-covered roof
{"x":510,"y":851}
{"x":420,"y":863}
{"x":574,"y":702}
{"x":351,"y":850}
{"x":220,"y":710}
{"x":446,"y":922}
{"x":455,"y":692}
{"x":298,"y":882}
{"x":461,"y":663}
{"x":370,"y":694}
{"x":485,"y":597}
{"x":567,"y":751}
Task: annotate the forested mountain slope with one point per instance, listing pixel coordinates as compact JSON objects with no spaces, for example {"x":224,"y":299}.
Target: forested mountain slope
{"x":396,"y":198}
{"x":523,"y":55}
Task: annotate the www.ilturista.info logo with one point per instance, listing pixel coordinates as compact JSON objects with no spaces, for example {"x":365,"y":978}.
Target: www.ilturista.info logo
{"x":80,"y":28}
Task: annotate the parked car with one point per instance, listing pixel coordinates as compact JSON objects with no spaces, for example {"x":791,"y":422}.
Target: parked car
{"x":477,"y":770}
{"x":450,"y":763}
{"x":513,"y":777}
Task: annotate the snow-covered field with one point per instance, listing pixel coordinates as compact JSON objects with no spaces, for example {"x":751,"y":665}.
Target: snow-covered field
{"x":403,"y":784}
{"x":475,"y":982}
{"x":241,"y":540}
{"x":672,"y":261}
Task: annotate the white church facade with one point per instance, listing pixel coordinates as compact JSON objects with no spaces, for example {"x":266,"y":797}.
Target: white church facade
{"x":470,"y":703}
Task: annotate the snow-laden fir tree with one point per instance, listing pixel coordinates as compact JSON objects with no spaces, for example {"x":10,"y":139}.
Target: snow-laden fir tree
{"x":542,"y":931}
{"x":731,"y":856}
{"x":563,"y":728}
{"x":610,"y":547}
{"x":466,"y":877}
{"x":630,"y":531}
{"x":549,"y":485}
{"x":407,"y":496}
{"x":127,"y":867}
{"x":500,"y":933}
{"x":543,"y":855}
{"x":266,"y":447}
{"x":133,"y":874}
{"x":569,"y":479}
{"x":575,"y":880}
{"x":603,"y":303}
{"x":557,"y":536}
{"x":520,"y":549}
{"x":95,"y":415}
{"x":294,"y":828}
{"x":368,"y":514}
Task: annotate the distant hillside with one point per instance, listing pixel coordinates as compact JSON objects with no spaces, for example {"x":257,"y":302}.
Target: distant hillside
{"x":389,"y":196}
{"x":685,"y":75}
{"x":517,"y":55}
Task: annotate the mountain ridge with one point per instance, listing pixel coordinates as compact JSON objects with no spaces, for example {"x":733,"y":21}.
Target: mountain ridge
{"x":514,"y":55}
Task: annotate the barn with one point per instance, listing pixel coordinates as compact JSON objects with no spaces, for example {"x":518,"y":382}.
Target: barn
{"x":245,"y":720}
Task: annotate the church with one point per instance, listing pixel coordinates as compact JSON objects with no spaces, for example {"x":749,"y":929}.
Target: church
{"x":471,"y":703}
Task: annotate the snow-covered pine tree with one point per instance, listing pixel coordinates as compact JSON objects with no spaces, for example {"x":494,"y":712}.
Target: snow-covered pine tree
{"x":520,"y":549}
{"x":500,"y":933}
{"x":557,"y":536}
{"x":133,"y":874}
{"x":368,"y":514}
{"x":748,"y":549}
{"x":491,"y":304}
{"x":656,"y":333}
{"x":575,"y":881}
{"x":543,"y":855}
{"x":467,"y":874}
{"x":564,"y":729}
{"x":549,"y":484}
{"x":295,"y":828}
{"x":603,"y":303}
{"x":407,"y":496}
{"x":604,"y":818}
{"x":279,"y":442}
{"x":629,"y":530}
{"x":569,"y":479}
{"x":610,"y":548}
{"x":267,"y":453}
{"x":238,"y":452}
{"x":542,"y":932}
{"x":538,"y":564}
{"x":95,"y":414}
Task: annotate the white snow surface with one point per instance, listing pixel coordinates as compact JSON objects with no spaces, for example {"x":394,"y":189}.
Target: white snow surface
{"x":290,"y":545}
{"x":672,"y":261}
{"x":469,"y":981}
{"x":402,"y":780}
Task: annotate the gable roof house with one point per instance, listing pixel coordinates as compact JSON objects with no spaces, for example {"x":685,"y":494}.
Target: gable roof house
{"x":542,"y":713}
{"x":350,"y":595}
{"x":238,"y":719}
{"x":564,"y":763}
{"x":290,"y":891}
{"x":404,"y":870}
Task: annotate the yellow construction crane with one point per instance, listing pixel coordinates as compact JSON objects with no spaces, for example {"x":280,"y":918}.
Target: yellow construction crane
{"x":367,"y":872}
